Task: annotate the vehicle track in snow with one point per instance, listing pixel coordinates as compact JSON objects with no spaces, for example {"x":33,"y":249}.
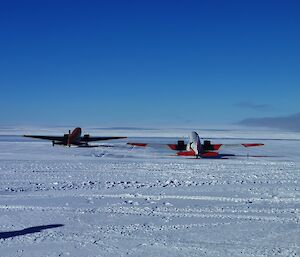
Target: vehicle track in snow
{"x":147,"y":206}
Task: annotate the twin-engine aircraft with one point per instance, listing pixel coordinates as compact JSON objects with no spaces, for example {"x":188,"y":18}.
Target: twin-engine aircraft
{"x":196,"y":149}
{"x":73,"y":138}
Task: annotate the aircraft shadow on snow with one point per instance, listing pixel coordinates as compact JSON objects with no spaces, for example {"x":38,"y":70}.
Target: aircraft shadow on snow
{"x":30,"y":230}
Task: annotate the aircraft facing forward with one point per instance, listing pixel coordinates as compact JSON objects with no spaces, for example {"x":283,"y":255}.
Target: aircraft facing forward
{"x":197,"y":149}
{"x":73,"y":138}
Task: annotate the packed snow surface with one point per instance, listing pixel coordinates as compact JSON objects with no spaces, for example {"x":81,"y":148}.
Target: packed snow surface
{"x":124,"y":201}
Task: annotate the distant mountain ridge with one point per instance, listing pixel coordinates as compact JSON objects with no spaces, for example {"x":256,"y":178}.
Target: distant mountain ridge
{"x":291,"y":122}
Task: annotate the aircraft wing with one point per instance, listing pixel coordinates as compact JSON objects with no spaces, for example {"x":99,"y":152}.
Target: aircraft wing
{"x":145,"y":144}
{"x":181,"y":147}
{"x":92,"y":139}
{"x":218,"y":146}
{"x":52,"y":138}
{"x":175,"y":147}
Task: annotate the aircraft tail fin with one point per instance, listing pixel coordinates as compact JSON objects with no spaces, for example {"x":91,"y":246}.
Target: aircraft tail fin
{"x":195,"y":143}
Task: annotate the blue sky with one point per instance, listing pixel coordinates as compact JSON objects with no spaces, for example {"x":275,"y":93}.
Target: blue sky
{"x":148,"y":62}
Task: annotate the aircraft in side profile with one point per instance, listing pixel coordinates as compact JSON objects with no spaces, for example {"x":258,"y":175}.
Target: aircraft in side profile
{"x":73,"y":138}
{"x":195,"y":148}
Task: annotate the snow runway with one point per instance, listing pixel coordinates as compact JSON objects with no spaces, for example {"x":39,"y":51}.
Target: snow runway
{"x":137,"y":202}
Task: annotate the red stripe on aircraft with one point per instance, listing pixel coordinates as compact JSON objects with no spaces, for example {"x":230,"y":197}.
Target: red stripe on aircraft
{"x":216,"y":146}
{"x":186,"y":153}
{"x":172,"y":146}
{"x":210,"y":154}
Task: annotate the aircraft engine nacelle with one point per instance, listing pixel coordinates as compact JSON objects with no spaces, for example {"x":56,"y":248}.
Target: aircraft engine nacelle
{"x":66,"y":138}
{"x":85,"y":137}
{"x":181,"y":146}
{"x":207,"y":146}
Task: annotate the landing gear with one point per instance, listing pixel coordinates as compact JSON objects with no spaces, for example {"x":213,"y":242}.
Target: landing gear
{"x":53,"y":143}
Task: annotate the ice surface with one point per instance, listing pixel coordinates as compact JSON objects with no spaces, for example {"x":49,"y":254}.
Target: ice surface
{"x":122,"y":201}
